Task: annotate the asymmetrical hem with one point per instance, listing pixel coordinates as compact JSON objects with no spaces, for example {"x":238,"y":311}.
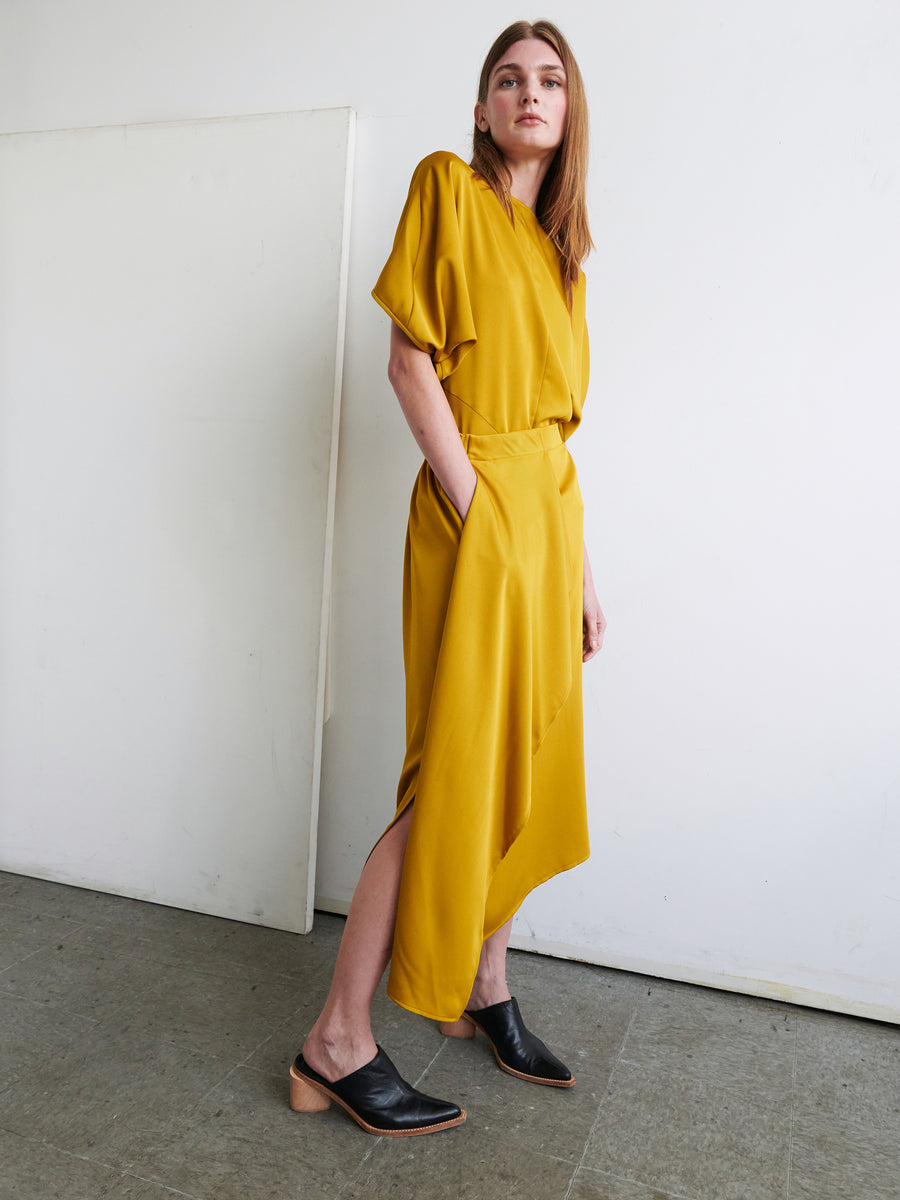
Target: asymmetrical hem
{"x":492,"y":608}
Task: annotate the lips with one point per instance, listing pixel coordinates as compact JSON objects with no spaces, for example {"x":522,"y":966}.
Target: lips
{"x":531,"y":119}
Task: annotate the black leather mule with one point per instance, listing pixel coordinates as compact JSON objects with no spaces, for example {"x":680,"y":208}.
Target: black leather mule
{"x":516,"y":1049}
{"x":376,"y":1097}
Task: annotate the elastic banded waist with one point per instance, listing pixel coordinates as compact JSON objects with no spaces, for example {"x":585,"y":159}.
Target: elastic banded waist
{"x":511,"y":445}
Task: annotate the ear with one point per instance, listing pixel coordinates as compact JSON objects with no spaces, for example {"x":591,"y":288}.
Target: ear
{"x":481,"y":118}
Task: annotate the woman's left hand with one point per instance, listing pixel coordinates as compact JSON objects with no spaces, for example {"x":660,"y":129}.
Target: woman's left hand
{"x":594,"y":622}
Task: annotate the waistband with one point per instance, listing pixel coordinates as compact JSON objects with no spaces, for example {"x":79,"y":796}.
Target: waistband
{"x":511,"y":445}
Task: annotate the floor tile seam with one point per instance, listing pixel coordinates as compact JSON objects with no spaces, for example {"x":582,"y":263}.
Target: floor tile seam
{"x":190,"y":1105}
{"x":256,"y":1049}
{"x":284,"y":1023}
{"x":556,"y":1158}
{"x":60,"y":892}
{"x":30,"y":912}
{"x":750,"y":1052}
{"x":127,"y":1173}
{"x":160,"y":1039}
{"x":11,"y":902}
{"x":228,"y":1064}
{"x":859,"y":1072}
{"x":225,"y":966}
{"x":47,"y":1004}
{"x":220,"y":1082}
{"x":121,"y":1172}
{"x":148,"y":947}
{"x":19,"y":961}
{"x":4,"y":1128}
{"x":224,"y":971}
{"x":437,"y":1054}
{"x":765,"y":1041}
{"x":46,"y":911}
{"x":295,"y":1012}
{"x":639,"y":1183}
{"x":790,"y":1156}
{"x":857,"y":1124}
{"x":843,"y":1101}
{"x":266,"y":1073}
{"x":761,"y":1097}
{"x":79,"y":928}
{"x":750,"y":1092}
{"x":357,"y":1173}
{"x":264,"y":1042}
{"x":594,"y":1123}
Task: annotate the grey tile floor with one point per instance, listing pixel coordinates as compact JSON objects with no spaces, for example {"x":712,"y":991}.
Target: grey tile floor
{"x":144,"y":1054}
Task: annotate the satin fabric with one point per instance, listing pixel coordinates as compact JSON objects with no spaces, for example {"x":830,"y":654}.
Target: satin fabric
{"x":492,"y":616}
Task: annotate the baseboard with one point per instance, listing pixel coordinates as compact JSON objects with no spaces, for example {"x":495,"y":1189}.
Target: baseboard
{"x":763,"y":988}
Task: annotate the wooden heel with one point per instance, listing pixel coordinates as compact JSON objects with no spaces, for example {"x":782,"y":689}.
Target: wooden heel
{"x":463,"y":1028}
{"x":306,"y":1098}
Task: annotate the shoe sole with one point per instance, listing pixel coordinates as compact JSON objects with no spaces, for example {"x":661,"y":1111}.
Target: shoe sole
{"x":373,"y":1129}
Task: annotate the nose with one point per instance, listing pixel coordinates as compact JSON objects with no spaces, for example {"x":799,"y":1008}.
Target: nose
{"x":529,"y":93}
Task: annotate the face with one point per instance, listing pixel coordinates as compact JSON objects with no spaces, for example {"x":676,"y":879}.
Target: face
{"x":527,"y":102}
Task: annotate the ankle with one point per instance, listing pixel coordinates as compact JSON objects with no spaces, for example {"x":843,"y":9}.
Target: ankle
{"x":335,"y":1051}
{"x":488,"y":990}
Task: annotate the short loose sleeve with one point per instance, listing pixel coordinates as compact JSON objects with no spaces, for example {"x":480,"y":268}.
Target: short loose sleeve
{"x":423,"y":285}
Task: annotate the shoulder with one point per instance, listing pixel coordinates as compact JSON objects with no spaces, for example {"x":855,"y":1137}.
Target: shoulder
{"x":443,"y":170}
{"x":444,"y":162}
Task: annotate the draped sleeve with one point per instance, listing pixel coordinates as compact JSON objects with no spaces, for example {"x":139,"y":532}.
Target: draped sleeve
{"x":423,"y":286}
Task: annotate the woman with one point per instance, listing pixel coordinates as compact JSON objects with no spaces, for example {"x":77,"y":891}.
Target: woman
{"x":489,"y":362}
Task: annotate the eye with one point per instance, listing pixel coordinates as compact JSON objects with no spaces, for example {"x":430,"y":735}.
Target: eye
{"x":551,"y":83}
{"x":507,"y":83}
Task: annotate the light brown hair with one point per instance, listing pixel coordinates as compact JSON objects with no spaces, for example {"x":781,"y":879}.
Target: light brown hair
{"x":561,"y":204}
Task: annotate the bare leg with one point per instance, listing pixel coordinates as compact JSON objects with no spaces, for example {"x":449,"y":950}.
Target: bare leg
{"x":341,"y":1039}
{"x":490,"y":982}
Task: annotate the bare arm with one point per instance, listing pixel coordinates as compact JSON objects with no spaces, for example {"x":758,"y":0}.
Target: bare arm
{"x":428,"y":415}
{"x":594,"y":620}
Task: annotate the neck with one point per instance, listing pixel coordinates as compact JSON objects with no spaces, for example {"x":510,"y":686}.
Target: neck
{"x":527,"y":177}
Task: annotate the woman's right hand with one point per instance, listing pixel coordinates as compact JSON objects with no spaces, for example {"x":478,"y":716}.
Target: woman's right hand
{"x":428,"y":415}
{"x":466,"y":502}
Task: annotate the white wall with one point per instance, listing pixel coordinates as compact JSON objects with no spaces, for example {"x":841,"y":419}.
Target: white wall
{"x":735,"y":458}
{"x":169,"y":365}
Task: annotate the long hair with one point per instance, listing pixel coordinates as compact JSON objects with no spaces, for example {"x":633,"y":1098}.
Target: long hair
{"x":561,"y":205}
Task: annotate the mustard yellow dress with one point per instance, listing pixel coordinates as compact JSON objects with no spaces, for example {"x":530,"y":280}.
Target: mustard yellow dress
{"x":492,"y":609}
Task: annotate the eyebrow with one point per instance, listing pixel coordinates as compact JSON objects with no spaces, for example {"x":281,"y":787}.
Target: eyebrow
{"x":511,"y":66}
